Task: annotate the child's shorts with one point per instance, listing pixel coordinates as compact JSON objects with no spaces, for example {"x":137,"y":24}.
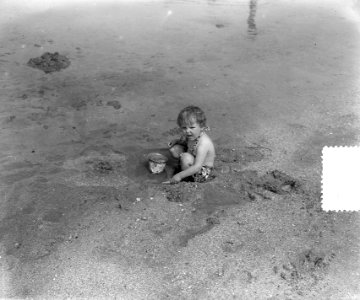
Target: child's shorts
{"x":204,"y":174}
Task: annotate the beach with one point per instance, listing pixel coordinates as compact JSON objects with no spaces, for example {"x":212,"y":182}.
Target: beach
{"x":81,"y":215}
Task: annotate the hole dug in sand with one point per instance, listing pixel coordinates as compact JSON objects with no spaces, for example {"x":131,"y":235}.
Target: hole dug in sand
{"x":233,"y":189}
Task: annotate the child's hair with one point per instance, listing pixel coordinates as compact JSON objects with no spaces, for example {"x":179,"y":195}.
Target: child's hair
{"x":191,"y":114}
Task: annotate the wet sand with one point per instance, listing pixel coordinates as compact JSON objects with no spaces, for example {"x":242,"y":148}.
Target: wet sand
{"x":80,"y":214}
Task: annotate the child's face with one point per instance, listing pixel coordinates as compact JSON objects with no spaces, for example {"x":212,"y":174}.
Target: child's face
{"x":192,"y":130}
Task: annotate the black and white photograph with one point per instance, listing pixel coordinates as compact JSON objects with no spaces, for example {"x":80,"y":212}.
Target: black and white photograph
{"x":180,"y":149}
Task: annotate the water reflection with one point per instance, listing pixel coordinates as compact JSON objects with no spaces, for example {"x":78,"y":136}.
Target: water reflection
{"x":252,"y":31}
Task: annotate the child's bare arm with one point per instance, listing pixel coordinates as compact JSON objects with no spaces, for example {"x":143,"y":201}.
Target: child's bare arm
{"x":179,"y":141}
{"x":172,"y":143}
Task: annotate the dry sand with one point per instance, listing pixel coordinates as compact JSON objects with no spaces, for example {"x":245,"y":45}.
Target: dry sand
{"x":81,"y":216}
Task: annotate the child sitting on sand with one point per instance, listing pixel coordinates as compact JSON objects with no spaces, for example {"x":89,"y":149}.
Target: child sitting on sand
{"x":194,"y":148}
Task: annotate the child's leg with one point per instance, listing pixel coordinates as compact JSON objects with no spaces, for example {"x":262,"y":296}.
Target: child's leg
{"x":186,"y":160}
{"x":177,"y":150}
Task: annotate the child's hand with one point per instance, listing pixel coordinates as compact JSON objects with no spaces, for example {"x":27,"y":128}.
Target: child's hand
{"x":172,"y":143}
{"x":175,"y":179}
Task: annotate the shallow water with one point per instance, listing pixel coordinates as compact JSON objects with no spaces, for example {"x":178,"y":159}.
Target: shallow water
{"x":240,"y":60}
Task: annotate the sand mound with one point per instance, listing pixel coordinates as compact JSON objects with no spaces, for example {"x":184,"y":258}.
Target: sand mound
{"x":49,"y":62}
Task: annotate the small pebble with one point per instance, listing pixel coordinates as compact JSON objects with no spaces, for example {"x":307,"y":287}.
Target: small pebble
{"x":138,"y":199}
{"x":225,"y":169}
{"x":286,"y":188}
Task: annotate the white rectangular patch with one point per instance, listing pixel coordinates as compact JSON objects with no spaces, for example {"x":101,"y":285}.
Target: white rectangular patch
{"x":341,"y":179}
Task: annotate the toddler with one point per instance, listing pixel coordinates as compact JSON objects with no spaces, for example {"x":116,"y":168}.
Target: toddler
{"x":194,"y":148}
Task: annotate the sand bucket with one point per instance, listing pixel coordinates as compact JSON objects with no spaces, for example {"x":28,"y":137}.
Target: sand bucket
{"x":157,"y":162}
